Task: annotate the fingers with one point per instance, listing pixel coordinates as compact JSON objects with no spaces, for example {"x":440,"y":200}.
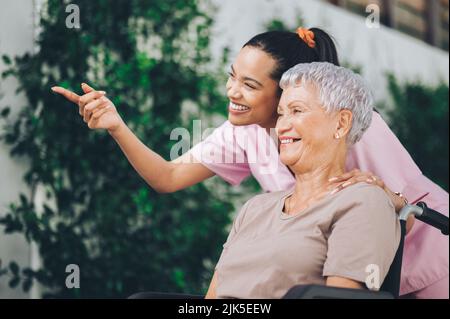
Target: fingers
{"x":376,"y":181}
{"x":344,"y":185}
{"x":100,"y":111}
{"x":362,"y":176}
{"x":345,"y":176}
{"x":370,"y":179}
{"x":86,"y":88}
{"x":67,"y":94}
{"x":93,"y":106}
{"x":75,"y":98}
{"x":97,"y":114}
{"x":87,"y":98}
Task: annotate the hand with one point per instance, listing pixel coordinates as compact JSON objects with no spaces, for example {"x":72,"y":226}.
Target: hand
{"x":356,"y":176}
{"x":95,"y":108}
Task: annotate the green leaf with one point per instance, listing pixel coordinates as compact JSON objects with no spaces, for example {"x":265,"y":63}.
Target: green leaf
{"x":14,"y":282}
{"x":6,"y":59}
{"x":5,"y":112}
{"x":26,"y":285}
{"x":14,"y":268}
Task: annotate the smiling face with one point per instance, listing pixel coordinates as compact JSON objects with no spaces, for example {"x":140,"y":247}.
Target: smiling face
{"x":252,"y":92}
{"x":305,"y":130}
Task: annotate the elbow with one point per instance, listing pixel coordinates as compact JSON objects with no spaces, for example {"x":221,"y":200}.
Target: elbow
{"x":163,"y":189}
{"x":164,"y":183}
{"x":168,"y":187}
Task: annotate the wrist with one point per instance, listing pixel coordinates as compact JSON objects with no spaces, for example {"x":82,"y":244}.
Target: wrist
{"x":401,"y":201}
{"x":116,"y":130}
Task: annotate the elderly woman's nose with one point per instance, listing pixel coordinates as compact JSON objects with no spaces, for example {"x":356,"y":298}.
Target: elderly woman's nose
{"x":284,"y":124}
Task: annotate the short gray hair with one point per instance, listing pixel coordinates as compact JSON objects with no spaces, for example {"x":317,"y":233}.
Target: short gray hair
{"x":339,"y":88}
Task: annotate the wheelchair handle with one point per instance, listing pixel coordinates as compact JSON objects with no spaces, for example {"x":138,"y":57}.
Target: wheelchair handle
{"x":433,"y":218}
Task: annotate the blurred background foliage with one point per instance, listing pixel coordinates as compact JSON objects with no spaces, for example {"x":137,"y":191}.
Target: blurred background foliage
{"x":419,"y":118}
{"x":152,"y":58}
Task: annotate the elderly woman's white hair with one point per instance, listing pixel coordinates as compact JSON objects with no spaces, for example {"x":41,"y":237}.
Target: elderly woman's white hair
{"x":339,"y":88}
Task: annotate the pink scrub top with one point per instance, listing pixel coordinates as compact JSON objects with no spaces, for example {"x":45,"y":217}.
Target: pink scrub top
{"x":235,"y":152}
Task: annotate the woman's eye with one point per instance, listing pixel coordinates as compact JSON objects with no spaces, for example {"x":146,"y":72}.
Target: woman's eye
{"x":231,"y":75}
{"x":298,"y":111}
{"x":249,"y":86}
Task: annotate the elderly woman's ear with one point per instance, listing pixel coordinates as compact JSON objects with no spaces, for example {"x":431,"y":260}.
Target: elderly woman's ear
{"x":344,"y":123}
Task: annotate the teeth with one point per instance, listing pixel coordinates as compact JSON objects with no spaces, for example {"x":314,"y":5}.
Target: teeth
{"x":287,"y":141}
{"x":238,"y":107}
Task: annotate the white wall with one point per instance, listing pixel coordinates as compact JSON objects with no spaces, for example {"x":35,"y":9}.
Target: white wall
{"x":375,"y":50}
{"x":16,"y":37}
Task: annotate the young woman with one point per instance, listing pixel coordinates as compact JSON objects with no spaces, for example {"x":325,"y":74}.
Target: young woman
{"x":254,"y":95}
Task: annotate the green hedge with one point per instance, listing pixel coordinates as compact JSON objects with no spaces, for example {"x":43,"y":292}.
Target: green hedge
{"x":124,"y":237}
{"x":419,"y":118}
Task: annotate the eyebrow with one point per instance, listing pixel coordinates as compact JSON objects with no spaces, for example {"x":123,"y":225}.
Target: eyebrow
{"x":247,"y":78}
{"x":297,"y":101}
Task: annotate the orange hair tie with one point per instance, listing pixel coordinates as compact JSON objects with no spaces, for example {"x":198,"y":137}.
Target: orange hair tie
{"x":307,"y":36}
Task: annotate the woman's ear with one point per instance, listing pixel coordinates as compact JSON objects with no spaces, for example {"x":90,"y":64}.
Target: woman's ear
{"x":345,"y":118}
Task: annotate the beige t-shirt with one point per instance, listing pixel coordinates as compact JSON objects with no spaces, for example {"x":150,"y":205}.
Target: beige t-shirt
{"x":268,"y":251}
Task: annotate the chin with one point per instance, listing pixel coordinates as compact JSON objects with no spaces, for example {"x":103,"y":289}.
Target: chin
{"x":289,"y":159}
{"x":285,"y":160}
{"x":239,"y":121}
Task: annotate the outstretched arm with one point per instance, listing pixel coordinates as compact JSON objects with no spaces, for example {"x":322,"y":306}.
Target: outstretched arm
{"x":99,"y":112}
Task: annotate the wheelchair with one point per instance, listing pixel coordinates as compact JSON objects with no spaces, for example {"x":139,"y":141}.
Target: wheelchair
{"x":389,"y":289}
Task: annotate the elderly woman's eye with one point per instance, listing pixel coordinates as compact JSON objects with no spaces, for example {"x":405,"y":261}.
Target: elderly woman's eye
{"x":250,"y":86}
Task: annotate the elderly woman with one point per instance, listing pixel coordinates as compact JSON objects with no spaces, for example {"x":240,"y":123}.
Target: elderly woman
{"x":309,"y":235}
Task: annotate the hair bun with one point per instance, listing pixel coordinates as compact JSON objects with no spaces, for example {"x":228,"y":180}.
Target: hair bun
{"x":307,"y":36}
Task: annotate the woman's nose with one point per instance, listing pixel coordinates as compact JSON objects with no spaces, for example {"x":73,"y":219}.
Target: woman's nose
{"x":233,"y":91}
{"x":283,"y":124}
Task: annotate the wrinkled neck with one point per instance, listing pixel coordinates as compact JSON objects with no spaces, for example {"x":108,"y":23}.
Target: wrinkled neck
{"x":315,"y":180}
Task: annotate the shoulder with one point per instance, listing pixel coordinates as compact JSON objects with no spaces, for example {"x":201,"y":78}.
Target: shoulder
{"x":368,"y":201}
{"x":248,"y":128}
{"x":222,"y":129}
{"x":364,"y":194}
{"x":228,"y":132}
{"x":363,"y":190}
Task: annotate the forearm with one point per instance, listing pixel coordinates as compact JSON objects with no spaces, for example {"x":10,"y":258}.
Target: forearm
{"x":211,"y":294}
{"x":154,"y":169}
{"x":342,"y":282}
